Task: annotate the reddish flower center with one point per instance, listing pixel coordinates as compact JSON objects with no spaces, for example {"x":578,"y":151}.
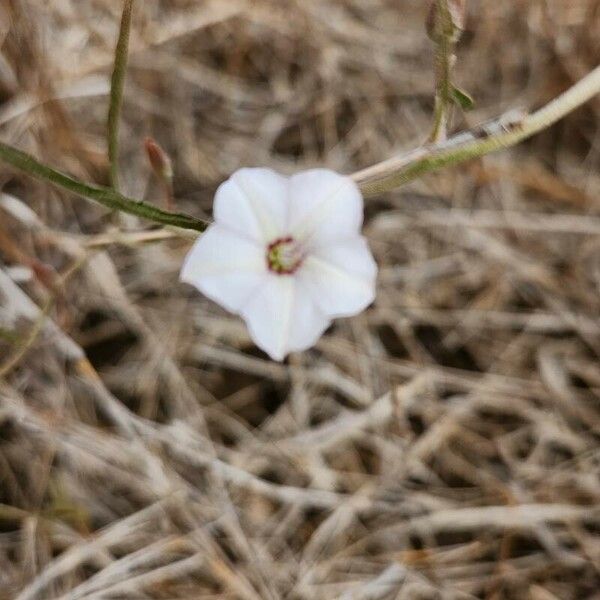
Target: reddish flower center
{"x":284,"y":256}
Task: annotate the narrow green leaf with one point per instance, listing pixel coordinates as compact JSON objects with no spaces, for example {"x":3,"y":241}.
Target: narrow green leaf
{"x":107,"y":197}
{"x":461,"y":98}
{"x":116,"y":92}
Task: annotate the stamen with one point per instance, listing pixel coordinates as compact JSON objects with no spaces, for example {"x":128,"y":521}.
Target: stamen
{"x":284,"y":256}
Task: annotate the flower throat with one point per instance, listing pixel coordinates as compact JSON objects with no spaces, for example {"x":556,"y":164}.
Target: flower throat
{"x":284,"y":256}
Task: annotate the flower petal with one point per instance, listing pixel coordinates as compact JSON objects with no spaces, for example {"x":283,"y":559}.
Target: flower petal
{"x":324,"y":206}
{"x":341,"y":277}
{"x":253,"y":203}
{"x":282,"y":317}
{"x":225,"y":267}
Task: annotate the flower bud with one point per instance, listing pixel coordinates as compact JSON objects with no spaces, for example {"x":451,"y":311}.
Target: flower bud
{"x":159,"y":160}
{"x":163,"y":169}
{"x":457,"y":17}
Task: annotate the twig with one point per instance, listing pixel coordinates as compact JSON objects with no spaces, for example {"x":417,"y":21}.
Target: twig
{"x":488,"y":219}
{"x":390,"y":579}
{"x":116,"y":92}
{"x":521,"y":517}
{"x":28,"y":342}
{"x":502,"y":133}
{"x":77,"y":554}
{"x":132,"y":238}
{"x":39,"y":323}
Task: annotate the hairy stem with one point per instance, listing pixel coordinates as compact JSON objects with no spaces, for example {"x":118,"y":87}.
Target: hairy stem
{"x":502,"y":133}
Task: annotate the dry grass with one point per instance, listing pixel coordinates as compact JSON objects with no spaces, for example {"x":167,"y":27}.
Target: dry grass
{"x":443,"y":445}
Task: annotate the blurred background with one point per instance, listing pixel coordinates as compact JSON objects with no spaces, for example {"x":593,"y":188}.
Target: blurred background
{"x":443,"y":445}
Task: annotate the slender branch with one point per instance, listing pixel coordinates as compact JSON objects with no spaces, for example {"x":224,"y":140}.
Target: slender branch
{"x":116,"y":92}
{"x":105,"y":196}
{"x":507,"y":131}
{"x":40,"y":322}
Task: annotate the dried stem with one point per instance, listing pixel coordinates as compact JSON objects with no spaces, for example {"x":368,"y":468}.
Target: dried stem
{"x":39,"y":323}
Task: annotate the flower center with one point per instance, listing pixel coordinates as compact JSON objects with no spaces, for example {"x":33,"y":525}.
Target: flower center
{"x":284,"y":256}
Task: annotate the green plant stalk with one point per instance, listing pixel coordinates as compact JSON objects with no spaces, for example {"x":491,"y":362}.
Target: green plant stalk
{"x":444,"y":52}
{"x":377,"y":179}
{"x":107,"y":197}
{"x":397,"y":171}
{"x":116,"y":92}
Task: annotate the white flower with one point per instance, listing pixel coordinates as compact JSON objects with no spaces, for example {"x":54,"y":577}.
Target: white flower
{"x":286,"y":254}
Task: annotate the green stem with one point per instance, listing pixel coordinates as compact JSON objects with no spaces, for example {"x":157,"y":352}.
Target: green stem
{"x":103,"y":195}
{"x":116,"y":92}
{"x":503,"y":133}
{"x":379,"y":178}
{"x":443,"y":34}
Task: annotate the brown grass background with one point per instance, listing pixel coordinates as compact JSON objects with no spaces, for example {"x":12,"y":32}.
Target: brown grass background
{"x":442,"y":445}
